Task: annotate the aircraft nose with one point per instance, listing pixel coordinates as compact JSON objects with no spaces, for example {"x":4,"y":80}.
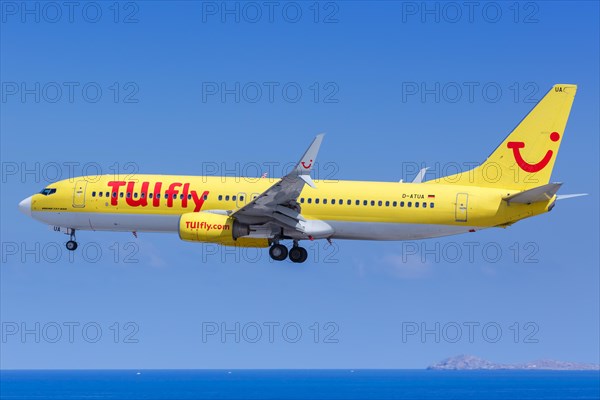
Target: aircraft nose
{"x":25,"y":206}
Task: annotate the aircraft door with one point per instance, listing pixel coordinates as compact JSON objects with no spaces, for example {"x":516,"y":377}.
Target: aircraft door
{"x":79,"y":194}
{"x":462,"y":200}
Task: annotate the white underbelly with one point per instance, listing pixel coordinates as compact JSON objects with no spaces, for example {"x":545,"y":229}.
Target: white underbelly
{"x":170,"y":223}
{"x":393,"y":231}
{"x":111,"y":222}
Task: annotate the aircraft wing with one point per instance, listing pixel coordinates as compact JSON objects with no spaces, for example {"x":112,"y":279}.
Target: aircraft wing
{"x":278,"y":204}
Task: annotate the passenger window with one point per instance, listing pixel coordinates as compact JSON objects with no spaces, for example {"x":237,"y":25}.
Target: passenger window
{"x":189,"y":197}
{"x":135,"y":195}
{"x":114,"y":194}
{"x":409,"y":204}
{"x":349,"y":202}
{"x":227,"y":198}
{"x":181,"y":197}
{"x":394,"y":204}
{"x":241,"y":198}
{"x":357,"y":202}
{"x":424,"y":205}
{"x":174,"y":197}
{"x":205,"y":196}
{"x":143,"y":195}
{"x":100,"y":194}
{"x":365,"y":202}
{"x":302,"y":200}
{"x":416,"y":204}
{"x":158,"y":195}
{"x":379,"y":203}
{"x":430,"y":205}
{"x":93,"y":194}
{"x":309,"y":200}
{"x":401,"y":204}
{"x":372,"y":202}
{"x":387,"y":203}
{"x":324,"y":201}
{"x":317,"y":200}
{"x":149,"y":195}
{"x":220,"y":197}
{"x":121,"y":195}
{"x":128,"y":195}
{"x":107,"y":194}
{"x":233,"y":198}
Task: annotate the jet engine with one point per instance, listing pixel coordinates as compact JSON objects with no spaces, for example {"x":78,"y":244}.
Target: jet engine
{"x":217,"y":228}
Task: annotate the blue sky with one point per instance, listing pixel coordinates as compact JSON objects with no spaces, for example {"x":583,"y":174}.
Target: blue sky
{"x":145,"y":94}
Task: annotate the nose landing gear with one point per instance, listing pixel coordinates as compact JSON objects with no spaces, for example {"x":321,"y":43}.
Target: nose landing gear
{"x":72,"y":244}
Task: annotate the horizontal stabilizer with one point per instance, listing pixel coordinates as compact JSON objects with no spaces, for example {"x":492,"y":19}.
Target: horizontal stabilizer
{"x":540,"y":193}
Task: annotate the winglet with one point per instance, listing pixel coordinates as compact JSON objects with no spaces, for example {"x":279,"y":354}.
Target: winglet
{"x":307,"y":161}
{"x":421,"y":175}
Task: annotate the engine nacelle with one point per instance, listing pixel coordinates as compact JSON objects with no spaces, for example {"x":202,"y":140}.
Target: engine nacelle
{"x":216,"y":228}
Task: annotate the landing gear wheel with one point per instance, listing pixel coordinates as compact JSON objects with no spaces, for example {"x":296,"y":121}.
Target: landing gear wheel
{"x":278,"y":252}
{"x":298,"y":254}
{"x":71,"y":245}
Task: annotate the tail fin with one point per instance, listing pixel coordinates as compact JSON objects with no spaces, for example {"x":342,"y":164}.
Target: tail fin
{"x":526,"y":157}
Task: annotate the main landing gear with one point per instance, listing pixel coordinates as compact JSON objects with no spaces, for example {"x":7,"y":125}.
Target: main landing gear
{"x":278,"y":252}
{"x":297,"y":254}
{"x":72,"y":244}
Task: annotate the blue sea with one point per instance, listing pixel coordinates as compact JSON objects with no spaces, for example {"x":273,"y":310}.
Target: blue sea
{"x":299,"y":384}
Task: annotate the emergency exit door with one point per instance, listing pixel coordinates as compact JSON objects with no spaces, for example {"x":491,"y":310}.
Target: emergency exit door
{"x":79,"y":194}
{"x":462,"y":201}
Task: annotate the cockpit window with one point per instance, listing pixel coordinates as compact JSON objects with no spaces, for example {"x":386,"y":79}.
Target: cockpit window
{"x":48,"y":191}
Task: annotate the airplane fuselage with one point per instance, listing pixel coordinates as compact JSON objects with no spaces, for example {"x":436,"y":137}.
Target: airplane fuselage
{"x":354,"y":209}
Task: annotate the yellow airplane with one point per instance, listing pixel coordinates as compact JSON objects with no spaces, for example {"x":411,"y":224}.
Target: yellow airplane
{"x":512,"y":184}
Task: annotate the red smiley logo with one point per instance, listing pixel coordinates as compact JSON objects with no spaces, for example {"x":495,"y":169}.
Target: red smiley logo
{"x":525,"y":166}
{"x":306,"y":166}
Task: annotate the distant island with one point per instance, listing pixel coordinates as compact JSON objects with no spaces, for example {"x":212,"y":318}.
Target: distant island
{"x":466,"y":362}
